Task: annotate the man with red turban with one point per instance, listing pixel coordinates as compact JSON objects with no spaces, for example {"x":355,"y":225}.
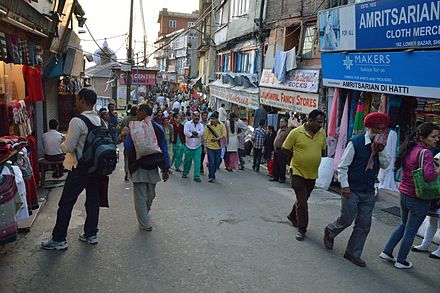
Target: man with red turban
{"x":357,"y":172}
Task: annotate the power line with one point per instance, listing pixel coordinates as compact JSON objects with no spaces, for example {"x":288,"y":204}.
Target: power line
{"x":103,"y":39}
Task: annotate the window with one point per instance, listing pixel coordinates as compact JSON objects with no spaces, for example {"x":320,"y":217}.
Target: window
{"x":224,"y":63}
{"x":172,"y":23}
{"x":239,"y":7}
{"x":190,"y":24}
{"x":245,"y":62}
{"x":310,"y":42}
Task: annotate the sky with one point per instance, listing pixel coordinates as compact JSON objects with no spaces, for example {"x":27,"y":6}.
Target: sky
{"x":108,"y":18}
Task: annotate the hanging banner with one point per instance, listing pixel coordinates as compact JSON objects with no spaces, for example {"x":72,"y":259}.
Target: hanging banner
{"x":288,"y":100}
{"x":296,"y":80}
{"x":242,"y":98}
{"x":141,"y":77}
{"x":399,"y":73}
{"x":392,"y":24}
{"x":121,"y":100}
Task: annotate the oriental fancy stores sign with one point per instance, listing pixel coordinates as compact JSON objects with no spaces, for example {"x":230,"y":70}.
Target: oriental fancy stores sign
{"x":140,"y":77}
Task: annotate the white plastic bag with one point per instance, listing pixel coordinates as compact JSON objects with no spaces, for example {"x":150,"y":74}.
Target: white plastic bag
{"x":144,"y":138}
{"x":325,"y":174}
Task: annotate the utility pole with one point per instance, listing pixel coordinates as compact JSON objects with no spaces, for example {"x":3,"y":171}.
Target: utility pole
{"x":145,"y":32}
{"x":261,"y":40}
{"x":130,"y":51}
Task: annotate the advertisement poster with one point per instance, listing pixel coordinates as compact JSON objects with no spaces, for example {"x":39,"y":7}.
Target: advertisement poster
{"x":298,"y":102}
{"x":296,"y":80}
{"x":400,"y":73}
{"x":391,"y":24}
{"x":121,"y":100}
{"x":140,"y":77}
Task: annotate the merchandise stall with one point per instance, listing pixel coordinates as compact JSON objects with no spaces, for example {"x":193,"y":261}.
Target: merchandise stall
{"x":20,"y":90}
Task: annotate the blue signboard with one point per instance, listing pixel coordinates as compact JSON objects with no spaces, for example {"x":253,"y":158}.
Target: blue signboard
{"x":401,"y":73}
{"x":390,"y":24}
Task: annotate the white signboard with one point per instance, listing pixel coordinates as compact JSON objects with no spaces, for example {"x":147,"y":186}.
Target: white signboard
{"x":242,"y":98}
{"x":302,"y":80}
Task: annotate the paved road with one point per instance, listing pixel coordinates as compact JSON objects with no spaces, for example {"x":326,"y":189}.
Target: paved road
{"x":231,"y":236}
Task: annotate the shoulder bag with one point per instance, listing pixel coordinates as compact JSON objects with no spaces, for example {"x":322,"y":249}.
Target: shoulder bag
{"x":425,"y":190}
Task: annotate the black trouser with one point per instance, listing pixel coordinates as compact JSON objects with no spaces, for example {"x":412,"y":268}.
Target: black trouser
{"x":202,"y":158}
{"x":257,"y":159}
{"x":75,"y":184}
{"x":279,"y":165}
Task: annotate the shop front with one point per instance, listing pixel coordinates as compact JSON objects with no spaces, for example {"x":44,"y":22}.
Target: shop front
{"x":238,"y":99}
{"x":296,"y":96}
{"x":142,"y":83}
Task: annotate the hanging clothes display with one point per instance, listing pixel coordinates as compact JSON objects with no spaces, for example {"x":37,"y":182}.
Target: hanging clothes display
{"x":22,"y":213}
{"x":386,"y":176}
{"x":9,"y":203}
{"x":343,"y":135}
{"x":32,"y":78}
{"x":358,"y":126}
{"x":333,"y":119}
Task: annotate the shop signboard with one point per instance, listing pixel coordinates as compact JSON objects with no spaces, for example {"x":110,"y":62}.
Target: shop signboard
{"x":141,"y":77}
{"x":172,"y":77}
{"x":121,"y":100}
{"x":392,"y":24}
{"x":242,"y":98}
{"x":288,"y":100}
{"x":303,"y":80}
{"x":398,"y":73}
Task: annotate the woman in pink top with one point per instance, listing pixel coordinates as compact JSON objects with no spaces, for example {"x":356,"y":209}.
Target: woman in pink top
{"x":413,"y":209}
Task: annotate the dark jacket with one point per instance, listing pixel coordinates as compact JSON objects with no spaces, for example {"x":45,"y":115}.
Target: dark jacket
{"x":268,"y":145}
{"x":178,"y":131}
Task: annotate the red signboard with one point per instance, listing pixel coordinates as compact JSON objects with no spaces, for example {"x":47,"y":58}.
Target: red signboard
{"x":141,"y":77}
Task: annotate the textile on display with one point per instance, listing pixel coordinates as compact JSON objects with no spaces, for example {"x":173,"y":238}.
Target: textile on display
{"x":386,"y":176}
{"x":359,"y":118}
{"x":279,"y":66}
{"x":333,"y":119}
{"x":343,"y":135}
{"x":22,"y":212}
{"x":32,"y":77}
{"x":9,"y":201}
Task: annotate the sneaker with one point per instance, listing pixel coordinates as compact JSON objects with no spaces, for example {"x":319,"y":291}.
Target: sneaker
{"x":178,"y":170}
{"x":148,"y":229}
{"x":328,"y":240}
{"x":211,"y":180}
{"x":404,"y":265}
{"x":197,"y":180}
{"x":184,"y":176}
{"x":54,"y":245}
{"x":300,"y":236}
{"x":418,"y":248}
{"x":385,"y":256}
{"x":91,"y":240}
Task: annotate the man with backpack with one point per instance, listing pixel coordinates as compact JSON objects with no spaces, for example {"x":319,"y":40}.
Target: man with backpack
{"x":144,"y":168}
{"x":90,"y":154}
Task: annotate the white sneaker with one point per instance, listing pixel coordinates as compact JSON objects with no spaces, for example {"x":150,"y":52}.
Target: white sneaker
{"x":54,"y":245}
{"x":405,"y":265}
{"x":93,"y":240}
{"x":387,"y":257}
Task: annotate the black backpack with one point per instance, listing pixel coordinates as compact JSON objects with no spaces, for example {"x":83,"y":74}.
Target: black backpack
{"x":99,"y":154}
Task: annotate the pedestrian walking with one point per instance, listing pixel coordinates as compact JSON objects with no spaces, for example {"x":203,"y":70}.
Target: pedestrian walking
{"x":431,"y":229}
{"x":214,"y":133}
{"x":280,"y":158}
{"x":193,"y":147}
{"x":124,"y":132}
{"x":113,"y":122}
{"x":222,"y":114}
{"x":241,"y":148}
{"x":231,"y":157}
{"x":268,"y":148}
{"x":258,"y":138}
{"x":169,"y":135}
{"x":178,"y":143}
{"x":204,"y":122}
{"x":305,"y":145}
{"x":145,"y":170}
{"x":79,"y":177}
{"x":413,"y":210}
{"x":357,"y":180}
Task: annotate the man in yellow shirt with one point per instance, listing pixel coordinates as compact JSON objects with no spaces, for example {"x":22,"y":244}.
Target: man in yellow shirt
{"x":305,"y":145}
{"x":214,"y":133}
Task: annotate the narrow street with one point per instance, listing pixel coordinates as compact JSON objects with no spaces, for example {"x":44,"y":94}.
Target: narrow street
{"x":230,"y":236}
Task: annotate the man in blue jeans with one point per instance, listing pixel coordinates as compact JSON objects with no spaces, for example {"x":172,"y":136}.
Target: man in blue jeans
{"x":358,"y":170}
{"x":214,"y":132}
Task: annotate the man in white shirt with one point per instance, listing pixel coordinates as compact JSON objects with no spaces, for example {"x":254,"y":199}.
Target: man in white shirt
{"x":193,"y":131}
{"x":176,"y":106}
{"x":52,"y":140}
{"x":222,"y":114}
{"x":76,"y":180}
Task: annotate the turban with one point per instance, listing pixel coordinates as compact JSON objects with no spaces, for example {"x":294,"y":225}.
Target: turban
{"x":376,"y":119}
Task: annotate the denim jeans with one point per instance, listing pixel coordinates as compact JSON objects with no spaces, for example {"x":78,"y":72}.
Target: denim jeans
{"x":76,"y":182}
{"x":241,"y":155}
{"x":214,"y":160}
{"x":257,"y":159}
{"x":413,"y":212}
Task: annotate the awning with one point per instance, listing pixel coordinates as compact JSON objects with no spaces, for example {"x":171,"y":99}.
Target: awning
{"x":242,"y":96}
{"x":193,"y":81}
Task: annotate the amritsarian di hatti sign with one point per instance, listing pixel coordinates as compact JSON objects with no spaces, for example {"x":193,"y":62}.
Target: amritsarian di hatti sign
{"x":390,"y":24}
{"x":400,"y":73}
